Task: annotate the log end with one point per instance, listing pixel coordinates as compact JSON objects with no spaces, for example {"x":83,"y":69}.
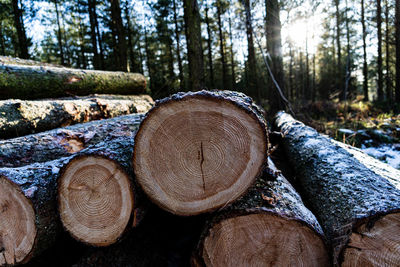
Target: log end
{"x":375,"y":245}
{"x":95,"y":200}
{"x":262,"y":239}
{"x":17,"y":224}
{"x":195,"y":154}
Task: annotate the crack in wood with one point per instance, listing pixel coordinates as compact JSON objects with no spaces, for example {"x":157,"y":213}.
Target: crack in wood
{"x":201,"y":165}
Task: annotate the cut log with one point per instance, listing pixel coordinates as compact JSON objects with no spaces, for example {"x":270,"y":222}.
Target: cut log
{"x":18,"y":118}
{"x":355,"y":198}
{"x":24,"y":62}
{"x":38,"y":182}
{"x":35,"y":82}
{"x":269,"y":226}
{"x":196,"y":152}
{"x":62,"y":142}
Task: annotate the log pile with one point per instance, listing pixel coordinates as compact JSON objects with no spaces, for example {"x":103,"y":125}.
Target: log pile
{"x":193,"y":182}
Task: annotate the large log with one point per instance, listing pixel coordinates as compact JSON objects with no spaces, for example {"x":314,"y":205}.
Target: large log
{"x":63,"y":142}
{"x":18,"y":117}
{"x":99,"y":182}
{"x":355,"y":198}
{"x":35,"y":82}
{"x":269,"y":226}
{"x":196,"y":152}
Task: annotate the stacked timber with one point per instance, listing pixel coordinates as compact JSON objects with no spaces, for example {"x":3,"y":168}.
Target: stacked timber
{"x":18,"y":117}
{"x":97,"y":198}
{"x":355,"y":198}
{"x":197,"y":152}
{"x":44,"y":81}
{"x":269,"y":226}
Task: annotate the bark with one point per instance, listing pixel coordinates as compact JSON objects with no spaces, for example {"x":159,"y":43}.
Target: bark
{"x":59,"y":37}
{"x":131,"y":63}
{"x":397,"y":51}
{"x":120,"y":49}
{"x":194,"y":45}
{"x":251,"y":56}
{"x":274,"y":47}
{"x":272,"y":196}
{"x":344,"y":188}
{"x":365,"y":64}
{"x":379,"y":70}
{"x":92,"y":11}
{"x":190,"y":159}
{"x":62,"y":142}
{"x":99,"y":39}
{"x":7,"y":60}
{"x":178,"y":49}
{"x":19,"y":25}
{"x":221,"y":47}
{"x":38,"y":182}
{"x":34,"y":82}
{"x":209,"y":46}
{"x":25,"y":117}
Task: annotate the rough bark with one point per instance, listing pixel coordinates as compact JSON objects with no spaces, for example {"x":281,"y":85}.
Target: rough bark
{"x":18,"y":118}
{"x":397,"y":26}
{"x":296,"y":241}
{"x":365,"y":64}
{"x":194,"y":45}
{"x":183,"y":156}
{"x":38,"y":182}
{"x":63,"y":142}
{"x":350,"y":193}
{"x":33,"y":82}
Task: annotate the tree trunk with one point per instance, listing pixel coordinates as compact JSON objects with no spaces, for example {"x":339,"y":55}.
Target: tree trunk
{"x":194,"y":45}
{"x":29,"y":196}
{"x":33,"y":82}
{"x":233,"y":76}
{"x":120,"y":49}
{"x":210,"y":148}
{"x":348,"y":58}
{"x":99,"y":39}
{"x":178,"y":50}
{"x":397,"y":51}
{"x":387,"y":76}
{"x":339,"y":48}
{"x":355,"y":197}
{"x":92,"y":10}
{"x":365,"y":64}
{"x":251,"y":56}
{"x":274,"y":48}
{"x":59,"y":38}
{"x":268,"y":226}
{"x":26,"y":117}
{"x":19,"y":26}
{"x":209,"y":46}
{"x":379,"y":70}
{"x":221,"y":47}
{"x":131,"y":63}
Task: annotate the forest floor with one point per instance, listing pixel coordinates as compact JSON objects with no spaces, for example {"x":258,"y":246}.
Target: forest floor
{"x":369,"y":127}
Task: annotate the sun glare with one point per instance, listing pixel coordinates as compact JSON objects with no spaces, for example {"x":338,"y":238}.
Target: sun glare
{"x":302,"y":33}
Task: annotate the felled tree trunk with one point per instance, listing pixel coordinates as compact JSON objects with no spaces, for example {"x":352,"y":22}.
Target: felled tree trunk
{"x":196,"y":152}
{"x":95,"y":185}
{"x":268,"y":226}
{"x":63,"y":142}
{"x":18,"y":118}
{"x":355,"y":198}
{"x":34,"y":82}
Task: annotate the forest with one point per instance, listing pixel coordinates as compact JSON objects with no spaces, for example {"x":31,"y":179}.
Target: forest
{"x":311,"y":50}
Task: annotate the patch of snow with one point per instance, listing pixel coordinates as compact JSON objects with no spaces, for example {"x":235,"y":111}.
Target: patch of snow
{"x":30,"y":191}
{"x":386,"y":153}
{"x":346,"y":131}
{"x":55,"y":170}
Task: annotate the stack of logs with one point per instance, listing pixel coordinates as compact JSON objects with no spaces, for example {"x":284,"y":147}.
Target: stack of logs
{"x":199,"y":154}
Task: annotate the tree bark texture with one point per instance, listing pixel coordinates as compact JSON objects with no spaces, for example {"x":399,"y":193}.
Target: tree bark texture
{"x":18,"y":117}
{"x":343,"y":186}
{"x":273,"y":195}
{"x":34,"y":82}
{"x":194,"y":45}
{"x":63,"y":142}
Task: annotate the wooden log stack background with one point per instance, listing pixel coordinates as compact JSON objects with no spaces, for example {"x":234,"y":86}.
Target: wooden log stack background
{"x":191,"y":182}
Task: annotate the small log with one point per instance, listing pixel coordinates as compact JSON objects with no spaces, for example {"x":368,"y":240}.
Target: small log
{"x":196,"y":152}
{"x":63,"y":142}
{"x":35,"y":82}
{"x":269,"y":226}
{"x":18,"y":117}
{"x":355,"y":198}
{"x":100,"y":186}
